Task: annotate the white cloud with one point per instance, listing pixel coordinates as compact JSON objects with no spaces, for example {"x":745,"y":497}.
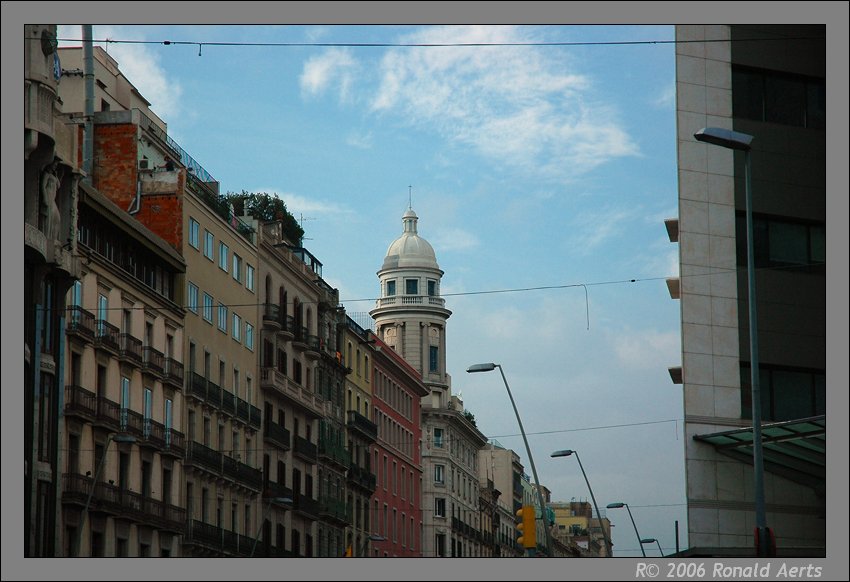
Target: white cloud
{"x":297,"y":204}
{"x":593,"y":227}
{"x":363,"y":141}
{"x":454,"y":239}
{"x":321,"y":72}
{"x":516,"y":105}
{"x":667,"y":98}
{"x":648,"y":349}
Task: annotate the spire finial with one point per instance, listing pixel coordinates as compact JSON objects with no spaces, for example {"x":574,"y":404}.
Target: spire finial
{"x":410,"y":197}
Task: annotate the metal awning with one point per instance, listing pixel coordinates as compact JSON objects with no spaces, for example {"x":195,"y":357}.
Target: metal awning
{"x":794,"y":449}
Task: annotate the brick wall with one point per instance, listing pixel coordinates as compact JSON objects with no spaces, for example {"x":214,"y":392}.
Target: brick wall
{"x":115,"y":162}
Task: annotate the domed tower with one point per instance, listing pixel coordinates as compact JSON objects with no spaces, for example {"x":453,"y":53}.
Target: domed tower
{"x":410,"y":315}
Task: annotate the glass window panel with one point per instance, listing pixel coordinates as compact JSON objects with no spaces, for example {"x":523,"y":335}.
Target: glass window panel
{"x":412,"y":286}
{"x":784,"y":100}
{"x":793,"y":394}
{"x":820,"y":394}
{"x":747,"y":95}
{"x":818,"y":244}
{"x":788,"y":243}
{"x":816,"y":104}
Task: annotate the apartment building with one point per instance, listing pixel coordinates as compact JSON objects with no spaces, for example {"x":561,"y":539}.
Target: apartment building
{"x":397,"y":513}
{"x":51,"y":265}
{"x":123,"y":408}
{"x":144,"y":171}
{"x":361,"y":434}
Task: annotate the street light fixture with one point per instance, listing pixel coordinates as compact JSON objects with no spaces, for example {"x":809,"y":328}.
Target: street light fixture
{"x":626,"y":505}
{"x":272,"y":500}
{"x":372,"y":538}
{"x":567,"y":453}
{"x":118,"y":438}
{"x":651,"y":540}
{"x":741,"y":141}
{"x":489,"y":367}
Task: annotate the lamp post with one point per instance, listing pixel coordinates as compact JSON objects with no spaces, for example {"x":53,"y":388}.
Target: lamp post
{"x":488,"y":368}
{"x":365,"y":546}
{"x":279,"y":500}
{"x":567,"y":453}
{"x":741,"y":141}
{"x":651,"y":540}
{"x":118,"y":438}
{"x":626,"y":505}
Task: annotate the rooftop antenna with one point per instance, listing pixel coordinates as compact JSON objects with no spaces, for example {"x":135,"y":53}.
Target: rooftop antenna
{"x":301,"y":224}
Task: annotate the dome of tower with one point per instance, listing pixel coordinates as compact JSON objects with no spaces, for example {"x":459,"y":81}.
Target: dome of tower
{"x":410,"y":249}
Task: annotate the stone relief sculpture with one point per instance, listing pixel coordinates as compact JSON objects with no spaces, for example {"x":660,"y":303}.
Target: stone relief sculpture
{"x":50,"y":182}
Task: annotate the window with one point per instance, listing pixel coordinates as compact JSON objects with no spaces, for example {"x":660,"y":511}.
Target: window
{"x":439,"y":507}
{"x":440,"y":474}
{"x":433,"y":358}
{"x":411,"y":286}
{"x":778,"y":98}
{"x":249,"y":277}
{"x":194,"y":233}
{"x":222,"y":256}
{"x":786,"y":393}
{"x":390,"y":288}
{"x":209,"y":244}
{"x":148,"y":409}
{"x":432,"y":288}
{"x":438,"y":438}
{"x":208,"y":307}
{"x":249,"y":336}
{"x":781,"y":243}
{"x":237,"y":327}
{"x":192,"y":300}
{"x":237,"y":267}
{"x":222,"y":317}
{"x":440,"y":545}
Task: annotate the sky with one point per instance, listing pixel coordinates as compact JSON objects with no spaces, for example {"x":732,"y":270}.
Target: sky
{"x":541,"y":175}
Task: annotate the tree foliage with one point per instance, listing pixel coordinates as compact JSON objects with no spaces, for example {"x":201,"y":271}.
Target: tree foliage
{"x":266,"y":207}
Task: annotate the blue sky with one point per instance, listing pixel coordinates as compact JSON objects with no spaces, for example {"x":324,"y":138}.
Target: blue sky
{"x":530,"y":166}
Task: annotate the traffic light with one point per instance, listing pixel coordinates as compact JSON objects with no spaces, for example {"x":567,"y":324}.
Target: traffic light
{"x":527,"y":527}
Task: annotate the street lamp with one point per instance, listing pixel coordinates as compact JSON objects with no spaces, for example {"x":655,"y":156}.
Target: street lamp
{"x":651,"y":540}
{"x":272,"y":500}
{"x":489,"y":368}
{"x":365,"y":546}
{"x":118,"y":438}
{"x":567,"y":453}
{"x":741,"y":141}
{"x":626,"y":505}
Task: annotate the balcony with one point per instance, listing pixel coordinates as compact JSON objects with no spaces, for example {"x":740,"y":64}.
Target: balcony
{"x":332,"y":509}
{"x":106,"y":336}
{"x":305,"y":450}
{"x":226,"y":402}
{"x":306,"y":506}
{"x":173,"y":373}
{"x":277,"y":435}
{"x":130,"y":349}
{"x":242,"y":473}
{"x":153,"y":361}
{"x":80,"y":323}
{"x":275,"y":490}
{"x":274,"y":380}
{"x":406,"y":300}
{"x":364,"y":426}
{"x":271,"y":317}
{"x":363,"y":478}
{"x":109,"y":498}
{"x":334,"y":453}
{"x":175,"y":443}
{"x":203,"y":457}
{"x":221,"y":541}
{"x":80,"y":402}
